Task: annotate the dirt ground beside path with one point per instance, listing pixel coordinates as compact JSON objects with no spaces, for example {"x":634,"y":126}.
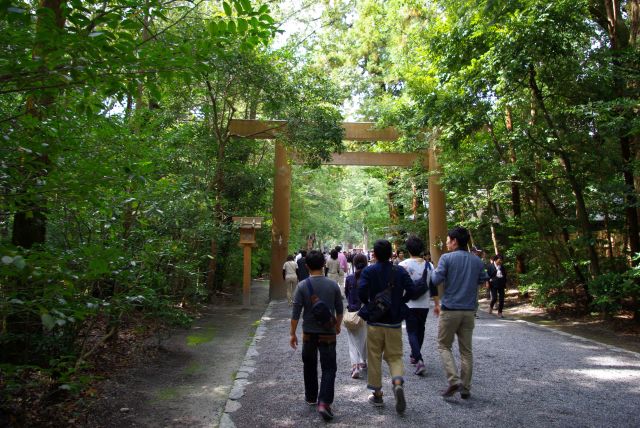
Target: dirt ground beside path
{"x":189,"y":381}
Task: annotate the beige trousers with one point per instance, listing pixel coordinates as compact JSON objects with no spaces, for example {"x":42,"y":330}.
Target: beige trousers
{"x":460,"y":323}
{"x":383,"y":342}
{"x":291,"y":282}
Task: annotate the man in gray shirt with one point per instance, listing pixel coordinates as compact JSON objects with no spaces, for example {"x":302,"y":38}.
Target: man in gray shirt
{"x":317,"y":339}
{"x":461,"y":272}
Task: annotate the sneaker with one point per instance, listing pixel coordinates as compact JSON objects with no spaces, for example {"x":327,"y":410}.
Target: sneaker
{"x":412,"y":361}
{"x":376,"y":400}
{"x":398,"y":392}
{"x":465,"y":395}
{"x":362,"y":366}
{"x":325,"y":411}
{"x":500,"y":315}
{"x":451,"y":390}
{"x":355,"y":372}
{"x":490,"y":310}
{"x":421,"y":370}
{"x":311,"y":403}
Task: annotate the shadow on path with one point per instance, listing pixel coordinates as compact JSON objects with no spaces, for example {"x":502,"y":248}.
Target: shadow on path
{"x":523,"y":376}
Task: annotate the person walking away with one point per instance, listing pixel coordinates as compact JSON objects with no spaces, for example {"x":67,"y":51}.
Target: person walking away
{"x":316,"y":338}
{"x":344,"y":265}
{"x":356,"y":338}
{"x":497,"y":283}
{"x":460,"y":272}
{"x":333,"y":266}
{"x":302,"y":271}
{"x":419,"y":270}
{"x":290,"y":277}
{"x":384,"y":335}
{"x":427,"y":259}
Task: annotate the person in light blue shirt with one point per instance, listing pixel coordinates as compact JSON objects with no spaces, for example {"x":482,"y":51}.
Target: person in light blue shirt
{"x":460,"y":273}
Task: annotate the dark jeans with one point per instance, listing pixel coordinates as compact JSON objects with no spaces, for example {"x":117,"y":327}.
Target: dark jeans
{"x":415,"y":323}
{"x":325,"y":344}
{"x":497,"y":293}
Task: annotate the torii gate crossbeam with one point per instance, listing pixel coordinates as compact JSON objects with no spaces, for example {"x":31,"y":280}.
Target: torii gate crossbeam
{"x":354,"y":131}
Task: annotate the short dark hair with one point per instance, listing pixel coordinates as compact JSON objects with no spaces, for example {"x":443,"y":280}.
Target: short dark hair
{"x":498,"y":256}
{"x":339,"y":248}
{"x":414,"y":245}
{"x":382,"y":250}
{"x":315,"y":260}
{"x":334,"y":254}
{"x":303,"y":253}
{"x":289,"y":258}
{"x":461,"y":235}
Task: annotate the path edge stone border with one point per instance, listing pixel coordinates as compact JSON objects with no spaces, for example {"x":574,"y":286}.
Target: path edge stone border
{"x":579,"y":338}
{"x":246,"y":368}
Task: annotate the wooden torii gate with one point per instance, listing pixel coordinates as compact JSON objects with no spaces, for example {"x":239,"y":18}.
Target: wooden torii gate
{"x":354,"y":131}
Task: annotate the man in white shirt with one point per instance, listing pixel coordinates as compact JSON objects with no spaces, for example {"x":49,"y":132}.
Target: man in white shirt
{"x":419,"y":270}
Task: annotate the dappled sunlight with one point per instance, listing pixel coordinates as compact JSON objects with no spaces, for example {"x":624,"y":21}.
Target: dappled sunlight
{"x":611,"y":362}
{"x":627,"y":376}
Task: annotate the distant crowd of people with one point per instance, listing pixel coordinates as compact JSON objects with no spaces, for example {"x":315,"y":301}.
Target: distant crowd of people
{"x":383,"y":290}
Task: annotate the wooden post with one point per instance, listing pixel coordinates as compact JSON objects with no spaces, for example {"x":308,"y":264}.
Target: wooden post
{"x":437,"y":209}
{"x":280,"y":225}
{"x":246,"y":275}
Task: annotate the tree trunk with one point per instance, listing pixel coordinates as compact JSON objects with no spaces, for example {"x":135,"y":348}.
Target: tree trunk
{"x":30,"y":221}
{"x":607,"y":14}
{"x":576,"y":188}
{"x":515,"y":198}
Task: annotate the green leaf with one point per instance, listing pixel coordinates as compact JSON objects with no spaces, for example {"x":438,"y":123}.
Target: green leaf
{"x":227,"y":8}
{"x":266,"y":18}
{"x":231,"y":27}
{"x":243,"y":25}
{"x":246,"y":5}
{"x":213,"y":28}
{"x":238,"y":7}
{"x":19,"y":262}
{"x":48,"y":321}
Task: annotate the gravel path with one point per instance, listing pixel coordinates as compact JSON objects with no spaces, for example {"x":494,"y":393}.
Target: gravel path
{"x":524,"y":375}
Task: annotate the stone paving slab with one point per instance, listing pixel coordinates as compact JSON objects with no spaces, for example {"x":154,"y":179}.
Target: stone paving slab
{"x":524,"y":375}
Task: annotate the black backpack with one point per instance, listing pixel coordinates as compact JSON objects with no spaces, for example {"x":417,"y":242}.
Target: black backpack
{"x":381,"y":304}
{"x":320,"y":311}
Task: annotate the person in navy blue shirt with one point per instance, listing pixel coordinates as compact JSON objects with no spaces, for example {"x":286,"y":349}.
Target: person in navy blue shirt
{"x":384,"y":337}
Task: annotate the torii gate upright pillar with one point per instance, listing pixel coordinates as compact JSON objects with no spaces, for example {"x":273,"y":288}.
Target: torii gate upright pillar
{"x":437,"y":209}
{"x":281,"y":221}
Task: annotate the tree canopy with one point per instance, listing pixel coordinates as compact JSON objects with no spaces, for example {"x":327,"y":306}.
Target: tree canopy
{"x":119,"y":177}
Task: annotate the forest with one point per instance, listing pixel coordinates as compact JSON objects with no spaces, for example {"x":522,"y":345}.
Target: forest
{"x":119,"y":176}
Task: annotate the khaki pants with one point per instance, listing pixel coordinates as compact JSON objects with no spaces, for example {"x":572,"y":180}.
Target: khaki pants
{"x":460,"y":323}
{"x":383,"y":342}
{"x":291,"y":282}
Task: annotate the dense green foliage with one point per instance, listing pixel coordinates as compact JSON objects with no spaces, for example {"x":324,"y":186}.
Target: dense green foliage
{"x":119,"y":176}
{"x":534,"y":108}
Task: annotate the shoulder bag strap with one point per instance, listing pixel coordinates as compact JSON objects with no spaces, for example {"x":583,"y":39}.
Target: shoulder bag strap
{"x":309,"y":287}
{"x":392,"y":280}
